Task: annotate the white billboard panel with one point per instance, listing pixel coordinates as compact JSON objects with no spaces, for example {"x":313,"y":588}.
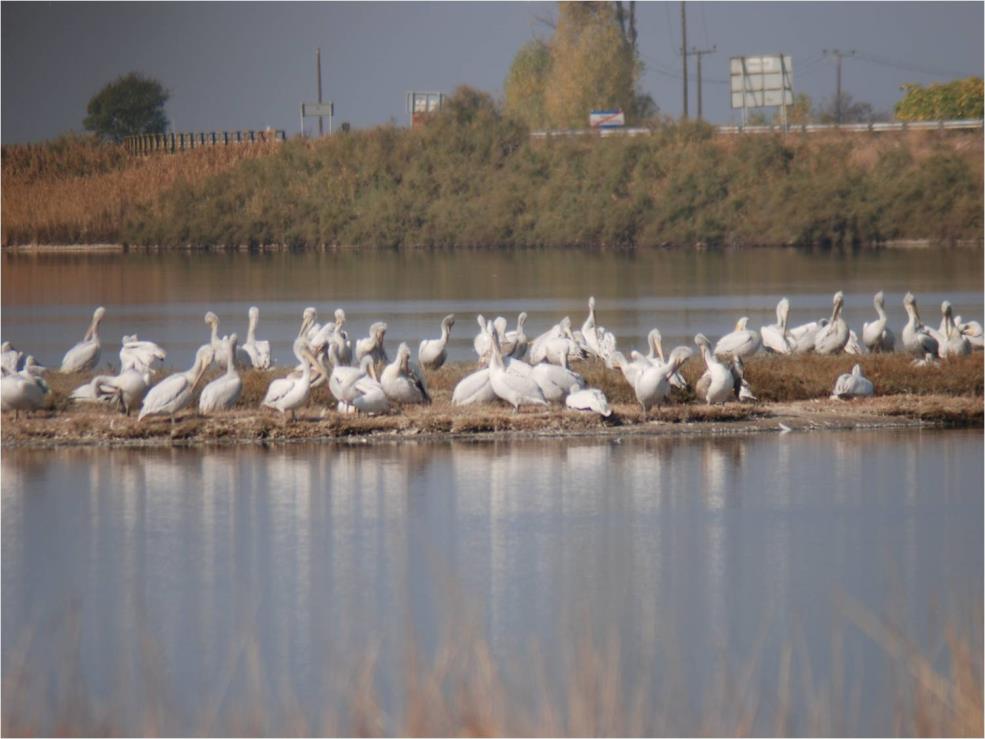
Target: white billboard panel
{"x":761,"y":81}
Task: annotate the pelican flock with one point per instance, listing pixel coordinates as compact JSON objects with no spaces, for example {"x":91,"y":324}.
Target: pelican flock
{"x":512,"y":367}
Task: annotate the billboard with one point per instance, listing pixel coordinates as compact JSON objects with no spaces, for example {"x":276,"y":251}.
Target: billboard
{"x":606,"y":119}
{"x":761,"y":81}
{"x":421,"y":104}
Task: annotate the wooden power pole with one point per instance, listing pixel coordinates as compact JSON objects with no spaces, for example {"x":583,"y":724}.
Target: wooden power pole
{"x":684,"y":52}
{"x":700,"y":53}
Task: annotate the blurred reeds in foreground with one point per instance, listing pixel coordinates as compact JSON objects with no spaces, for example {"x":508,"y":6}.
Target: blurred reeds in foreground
{"x":463,"y":689}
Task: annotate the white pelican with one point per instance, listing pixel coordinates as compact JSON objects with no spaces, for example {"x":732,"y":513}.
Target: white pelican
{"x":33,"y":368}
{"x":85,"y":355}
{"x":877,"y":336}
{"x":853,"y":345}
{"x":514,"y":343}
{"x":589,"y":333}
{"x":588,"y":399}
{"x":482,"y":343}
{"x":360,"y":391}
{"x":212,"y":320}
{"x":742,"y":342}
{"x":372,"y":346}
{"x":916,"y":338}
{"x":555,"y":382}
{"x":515,"y":389}
{"x":290,"y":393}
{"x":401,"y":381}
{"x":952,"y":343}
{"x":21,"y":392}
{"x":432,"y":353}
{"x":852,"y":385}
{"x":222,"y":393}
{"x":802,"y":337}
{"x":630,"y":370}
{"x":831,"y":339}
{"x":174,"y":392}
{"x":652,"y":385}
{"x":775,"y":337}
{"x":656,"y":357}
{"x":140,"y":355}
{"x":9,"y":357}
{"x":257,"y":352}
{"x":474,"y":388}
{"x":717,"y":385}
{"x":126,"y":389}
{"x":972,"y":330}
{"x":333,"y":333}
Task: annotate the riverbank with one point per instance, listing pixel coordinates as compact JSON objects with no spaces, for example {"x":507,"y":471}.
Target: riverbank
{"x":792,"y":391}
{"x":473,"y":177}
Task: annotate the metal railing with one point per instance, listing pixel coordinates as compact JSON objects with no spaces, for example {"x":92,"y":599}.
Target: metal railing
{"x":971,"y":123}
{"x":151,"y":143}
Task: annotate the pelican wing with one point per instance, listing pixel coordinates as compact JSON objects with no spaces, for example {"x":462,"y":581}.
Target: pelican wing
{"x":474,"y":388}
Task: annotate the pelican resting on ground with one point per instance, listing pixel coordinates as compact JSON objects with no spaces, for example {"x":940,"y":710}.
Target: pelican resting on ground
{"x":222,"y":393}
{"x":972,"y":330}
{"x":257,"y":353}
{"x":402,"y":382}
{"x":174,"y":392}
{"x":143,"y":356}
{"x":126,"y":389}
{"x":21,"y":391}
{"x":515,"y":389}
{"x":84,"y":356}
{"x":10,"y":358}
{"x":876,"y":335}
{"x":652,"y":385}
{"x":589,"y":399}
{"x":482,"y":343}
{"x":852,"y":385}
{"x":287,"y":394}
{"x":742,"y":342}
{"x":952,"y":342}
{"x":432,"y":353}
{"x":853,"y":345}
{"x":832,"y":337}
{"x":474,"y":388}
{"x":555,"y":382}
{"x":360,"y":391}
{"x":656,"y":356}
{"x":775,"y":337}
{"x":916,"y":338}
{"x":717,"y":385}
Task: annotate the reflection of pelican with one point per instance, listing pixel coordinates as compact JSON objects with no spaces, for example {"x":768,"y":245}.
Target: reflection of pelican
{"x":223,"y":392}
{"x":952,"y":342}
{"x":852,"y":385}
{"x":174,"y":392}
{"x":831,"y":339}
{"x":775,"y":337}
{"x":402,"y":382}
{"x":432,"y":353}
{"x":85,"y":355}
{"x":916,"y":338}
{"x":877,"y":336}
{"x":742,"y":342}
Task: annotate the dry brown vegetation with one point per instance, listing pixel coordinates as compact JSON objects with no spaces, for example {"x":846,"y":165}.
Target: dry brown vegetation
{"x":791,"y":390}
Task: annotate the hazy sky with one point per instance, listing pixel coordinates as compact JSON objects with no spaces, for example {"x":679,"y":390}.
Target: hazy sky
{"x":249,"y":65}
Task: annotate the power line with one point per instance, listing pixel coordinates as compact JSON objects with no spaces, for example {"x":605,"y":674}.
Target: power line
{"x":905,"y":67}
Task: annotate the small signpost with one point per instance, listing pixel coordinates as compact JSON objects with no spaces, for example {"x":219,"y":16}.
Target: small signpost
{"x":317,"y":110}
{"x":421,"y":104}
{"x":761,"y":81}
{"x":607,"y":119}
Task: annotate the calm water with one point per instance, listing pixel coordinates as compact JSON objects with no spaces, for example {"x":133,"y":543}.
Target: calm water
{"x":48,"y":299}
{"x":172,"y":579}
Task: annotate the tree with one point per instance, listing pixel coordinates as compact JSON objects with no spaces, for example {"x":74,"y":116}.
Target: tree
{"x":526,"y":81}
{"x":130,"y":105}
{"x":852,"y":111}
{"x":942,"y":101}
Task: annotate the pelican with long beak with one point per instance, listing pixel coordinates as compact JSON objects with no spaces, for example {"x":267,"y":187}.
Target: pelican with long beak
{"x":84,"y":356}
{"x":917,"y":339}
{"x":876,"y":335}
{"x":831,"y":338}
{"x":775,"y":336}
{"x":174,"y":392}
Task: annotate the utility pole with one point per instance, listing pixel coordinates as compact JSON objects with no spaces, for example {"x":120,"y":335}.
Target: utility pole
{"x":321,"y":130}
{"x":700,"y":53}
{"x":838,"y":54}
{"x":684,"y":52}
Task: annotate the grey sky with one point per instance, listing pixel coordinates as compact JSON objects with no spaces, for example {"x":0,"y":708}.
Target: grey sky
{"x":249,"y":65}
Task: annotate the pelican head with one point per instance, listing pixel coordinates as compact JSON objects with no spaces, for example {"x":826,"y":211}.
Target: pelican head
{"x":378,"y":329}
{"x":879,"y":299}
{"x":481,"y":320}
{"x":838,"y":299}
{"x":908,"y":299}
{"x":857,"y":370}
{"x":679,"y":356}
{"x":946,"y":308}
{"x":702,"y":341}
{"x":310,"y":314}
{"x":339,"y":317}
{"x":98,"y":314}
{"x":448,"y":320}
{"x":740,"y":325}
{"x":591,"y":303}
{"x":521,"y":319}
{"x":211,"y":318}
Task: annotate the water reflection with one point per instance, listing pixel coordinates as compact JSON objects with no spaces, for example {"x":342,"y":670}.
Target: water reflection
{"x":313,"y":553}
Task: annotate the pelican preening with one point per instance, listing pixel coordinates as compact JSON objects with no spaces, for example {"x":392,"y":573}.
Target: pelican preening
{"x":775,"y":337}
{"x":742,"y":342}
{"x":126,"y":389}
{"x":85,"y":355}
{"x":402,"y":382}
{"x":432,"y":353}
{"x":21,"y":391}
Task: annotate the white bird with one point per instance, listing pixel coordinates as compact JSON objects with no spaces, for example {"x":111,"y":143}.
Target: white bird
{"x":21,"y":392}
{"x":514,"y":343}
{"x":802,"y":337}
{"x":853,"y":345}
{"x":482,"y":343}
{"x":222,"y":393}
{"x":372,"y":346}
{"x":85,"y":355}
{"x":126,"y":389}
{"x":775,"y":337}
{"x":361,"y":391}
{"x":515,"y":388}
{"x":9,"y":357}
{"x":212,"y":320}
{"x":257,"y":353}
{"x":140,"y":355}
{"x":402,"y":382}
{"x":432,"y":353}
{"x":474,"y":388}
{"x":953,"y":343}
{"x":852,"y":385}
{"x":717,"y":385}
{"x":555,"y":382}
{"x":174,"y":392}
{"x":916,"y":338}
{"x":876,"y":335}
{"x":589,"y":332}
{"x":291,"y":392}
{"x":972,"y":330}
{"x":831,"y":339}
{"x":33,"y":368}
{"x":589,"y":399}
{"x":656,"y":357}
{"x":652,"y":385}
{"x":742,"y":342}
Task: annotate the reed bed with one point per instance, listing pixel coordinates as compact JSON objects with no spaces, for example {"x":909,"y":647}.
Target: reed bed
{"x":791,"y":390}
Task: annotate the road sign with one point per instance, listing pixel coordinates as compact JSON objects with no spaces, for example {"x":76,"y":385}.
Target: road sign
{"x":761,"y":81}
{"x":310,"y":110}
{"x":607,"y":119}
